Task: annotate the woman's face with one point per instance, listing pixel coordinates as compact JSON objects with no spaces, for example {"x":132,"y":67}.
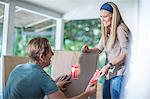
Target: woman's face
{"x":106,"y":18}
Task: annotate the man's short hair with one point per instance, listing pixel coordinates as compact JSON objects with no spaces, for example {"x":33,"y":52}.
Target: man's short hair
{"x":38,"y":46}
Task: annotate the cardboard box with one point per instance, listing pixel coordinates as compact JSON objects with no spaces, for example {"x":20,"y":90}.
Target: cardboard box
{"x":9,"y":62}
{"x":62,"y":63}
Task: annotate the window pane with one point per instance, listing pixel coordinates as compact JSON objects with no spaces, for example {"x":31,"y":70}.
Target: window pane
{"x":1,"y":35}
{"x":29,"y":25}
{"x":80,"y":32}
{"x":1,"y":25}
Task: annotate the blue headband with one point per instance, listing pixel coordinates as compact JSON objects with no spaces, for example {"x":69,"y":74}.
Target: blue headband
{"x":107,"y":7}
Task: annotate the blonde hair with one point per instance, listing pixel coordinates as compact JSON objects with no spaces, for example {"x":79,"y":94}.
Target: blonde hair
{"x":116,"y":20}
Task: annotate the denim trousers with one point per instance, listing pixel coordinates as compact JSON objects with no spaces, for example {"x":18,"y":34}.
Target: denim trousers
{"x":112,"y":88}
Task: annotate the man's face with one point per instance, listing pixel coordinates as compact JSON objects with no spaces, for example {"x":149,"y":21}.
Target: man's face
{"x":106,"y":18}
{"x":47,"y":58}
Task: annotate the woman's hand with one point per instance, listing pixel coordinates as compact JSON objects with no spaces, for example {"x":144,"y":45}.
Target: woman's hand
{"x":104,"y":70}
{"x":85,"y":49}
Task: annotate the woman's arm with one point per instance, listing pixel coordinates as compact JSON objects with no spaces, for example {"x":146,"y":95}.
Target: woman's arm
{"x":117,"y":61}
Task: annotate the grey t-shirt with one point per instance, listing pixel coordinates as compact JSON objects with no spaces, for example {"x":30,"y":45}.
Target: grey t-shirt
{"x":121,"y":44}
{"x":29,"y":81}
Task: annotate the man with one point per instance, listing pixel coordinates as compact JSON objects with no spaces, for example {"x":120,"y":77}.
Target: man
{"x":29,"y":81}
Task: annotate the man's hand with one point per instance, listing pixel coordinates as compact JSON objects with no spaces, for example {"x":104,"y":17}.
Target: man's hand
{"x":90,"y":89}
{"x":62,"y":81}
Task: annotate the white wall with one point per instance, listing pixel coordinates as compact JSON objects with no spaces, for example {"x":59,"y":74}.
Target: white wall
{"x":0,"y":79}
{"x":138,"y":85}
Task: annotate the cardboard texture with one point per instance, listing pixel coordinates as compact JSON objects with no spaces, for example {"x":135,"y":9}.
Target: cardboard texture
{"x":9,"y":62}
{"x":62,"y":62}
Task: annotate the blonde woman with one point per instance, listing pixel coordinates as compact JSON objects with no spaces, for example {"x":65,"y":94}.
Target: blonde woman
{"x":114,"y":41}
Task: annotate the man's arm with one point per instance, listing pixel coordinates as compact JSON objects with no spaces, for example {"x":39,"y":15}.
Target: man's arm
{"x":90,"y":90}
{"x":57,"y":95}
{"x":60,"y":95}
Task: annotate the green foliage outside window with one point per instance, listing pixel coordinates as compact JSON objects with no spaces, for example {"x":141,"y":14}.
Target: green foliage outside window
{"x":76,"y":34}
{"x":80,"y":32}
{"x":22,"y":39}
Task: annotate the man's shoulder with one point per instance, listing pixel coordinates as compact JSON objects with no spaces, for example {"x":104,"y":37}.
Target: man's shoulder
{"x":28,"y":69}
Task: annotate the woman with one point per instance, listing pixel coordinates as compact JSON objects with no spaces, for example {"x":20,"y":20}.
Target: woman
{"x":114,"y":41}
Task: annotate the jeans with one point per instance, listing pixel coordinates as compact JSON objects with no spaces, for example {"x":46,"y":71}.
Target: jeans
{"x":112,"y":88}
